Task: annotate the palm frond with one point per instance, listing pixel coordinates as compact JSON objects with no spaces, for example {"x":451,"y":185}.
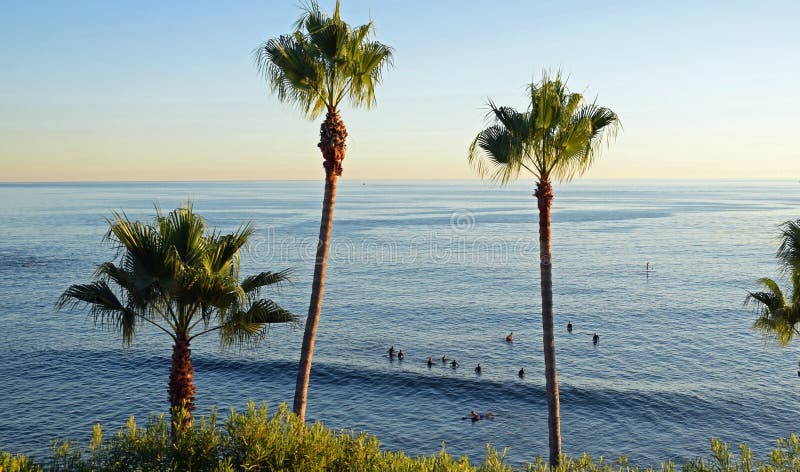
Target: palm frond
{"x":789,"y":249}
{"x":134,"y":237}
{"x":254,"y":283}
{"x":294,"y":72}
{"x":774,"y":329}
{"x":104,"y":307}
{"x":222,"y":254}
{"x":328,"y":35}
{"x":370,"y":59}
{"x":494,"y":156}
{"x":109,"y":271}
{"x":138,"y":292}
{"x":776,"y":320}
{"x":580,"y":140}
{"x":183,"y":232}
{"x":248,"y":328}
{"x":197,"y":286}
{"x":502,"y":150}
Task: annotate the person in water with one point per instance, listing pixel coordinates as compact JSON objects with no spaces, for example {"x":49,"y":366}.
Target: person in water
{"x":569,"y":326}
{"x":430,"y":361}
{"x":401,"y":355}
{"x":391,"y":351}
{"x":521,"y":372}
{"x":478,"y":368}
{"x":510,"y":337}
{"x":475,"y":416}
{"x":595,"y":338}
{"x":444,"y":357}
{"x":454,"y":364}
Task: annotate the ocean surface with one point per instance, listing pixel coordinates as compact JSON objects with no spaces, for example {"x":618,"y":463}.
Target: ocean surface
{"x":432,"y":268}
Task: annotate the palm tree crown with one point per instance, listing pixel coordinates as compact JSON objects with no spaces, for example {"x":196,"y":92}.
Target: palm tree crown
{"x":323,"y":62}
{"x":557,"y":136}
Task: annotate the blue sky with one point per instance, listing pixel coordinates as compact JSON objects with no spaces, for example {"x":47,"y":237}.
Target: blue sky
{"x":152,"y":90}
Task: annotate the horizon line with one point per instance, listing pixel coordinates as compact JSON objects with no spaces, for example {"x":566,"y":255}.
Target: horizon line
{"x":632,"y":179}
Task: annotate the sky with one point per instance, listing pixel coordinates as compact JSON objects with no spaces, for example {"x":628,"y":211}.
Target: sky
{"x":152,"y":90}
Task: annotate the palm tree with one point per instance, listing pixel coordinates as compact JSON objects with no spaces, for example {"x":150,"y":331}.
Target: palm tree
{"x":779,"y":318}
{"x":184,"y":280}
{"x":558,"y":137}
{"x":315,"y":68}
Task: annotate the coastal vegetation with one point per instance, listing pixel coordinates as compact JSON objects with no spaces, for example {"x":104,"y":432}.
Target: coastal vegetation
{"x":779,"y":316}
{"x":179,"y":277}
{"x":557,"y":137}
{"x":254,"y":440}
{"x":322,"y":63}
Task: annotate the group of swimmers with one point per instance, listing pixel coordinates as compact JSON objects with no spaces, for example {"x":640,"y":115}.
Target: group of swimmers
{"x":474,"y":415}
{"x":478,"y":369}
{"x":399,"y":354}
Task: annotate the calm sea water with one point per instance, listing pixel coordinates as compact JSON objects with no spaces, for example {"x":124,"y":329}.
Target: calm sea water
{"x":432,"y":268}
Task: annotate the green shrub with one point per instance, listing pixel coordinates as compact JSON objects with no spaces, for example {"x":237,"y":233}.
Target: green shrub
{"x":255,"y":441}
{"x":9,"y":463}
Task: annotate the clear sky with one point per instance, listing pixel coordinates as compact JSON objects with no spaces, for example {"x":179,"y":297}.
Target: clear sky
{"x":154,"y":90}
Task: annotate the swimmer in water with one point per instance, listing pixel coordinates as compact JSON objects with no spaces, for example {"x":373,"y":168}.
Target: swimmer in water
{"x":444,"y":357}
{"x":521,"y":372}
{"x":510,"y":337}
{"x":475,"y":416}
{"x":430,"y":361}
{"x":400,"y":355}
{"x":454,"y":364}
{"x":569,"y":326}
{"x":478,"y":368}
{"x":391,"y":351}
{"x":595,"y":338}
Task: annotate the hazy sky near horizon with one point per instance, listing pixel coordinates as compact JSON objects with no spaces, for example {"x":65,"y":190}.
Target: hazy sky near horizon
{"x":152,"y":90}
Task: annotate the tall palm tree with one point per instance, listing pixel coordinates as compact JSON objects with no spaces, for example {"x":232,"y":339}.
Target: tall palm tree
{"x":779,"y":317}
{"x":184,"y":280}
{"x":558,"y":137}
{"x":322,"y":63}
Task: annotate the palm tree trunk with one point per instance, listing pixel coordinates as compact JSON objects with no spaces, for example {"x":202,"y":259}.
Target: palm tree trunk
{"x":544,"y":196}
{"x":181,"y":383}
{"x":332,"y":143}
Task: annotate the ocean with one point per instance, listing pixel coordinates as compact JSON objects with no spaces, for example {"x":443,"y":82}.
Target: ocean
{"x":434,"y":268}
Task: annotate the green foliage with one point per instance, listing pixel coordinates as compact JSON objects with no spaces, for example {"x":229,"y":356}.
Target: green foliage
{"x":11,"y":463}
{"x":178,"y":275}
{"x":785,"y":457}
{"x":252,"y":440}
{"x":778,"y":315}
{"x":558,"y":135}
{"x":324,"y":61}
